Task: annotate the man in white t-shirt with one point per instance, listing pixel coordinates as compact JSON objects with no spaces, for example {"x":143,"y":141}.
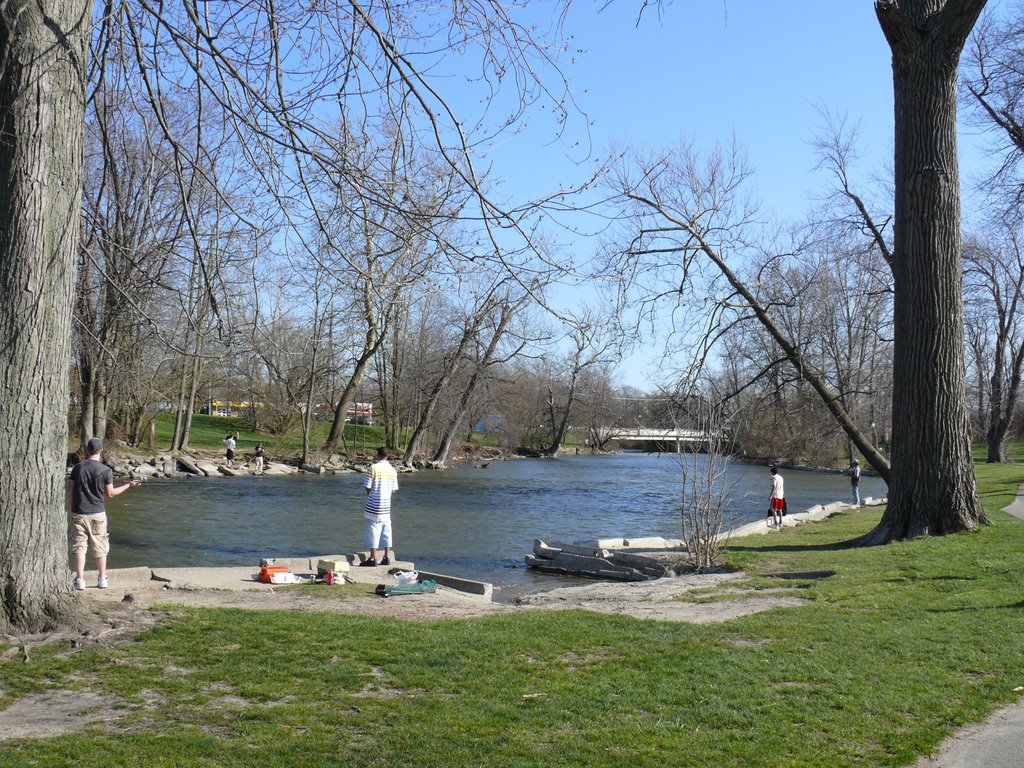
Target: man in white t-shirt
{"x":778,"y":498}
{"x":380,"y":484}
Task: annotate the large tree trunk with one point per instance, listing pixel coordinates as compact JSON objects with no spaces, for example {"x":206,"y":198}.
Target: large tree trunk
{"x":101,"y":401}
{"x":995,"y":440}
{"x":997,"y":426}
{"x":347,"y":397}
{"x":932,"y":487}
{"x":190,"y":401}
{"x":560,"y":425}
{"x":85,"y":416}
{"x":441,"y":385}
{"x":372,"y":339}
{"x":445,"y":446}
{"x":179,"y":412}
{"x":42,"y":86}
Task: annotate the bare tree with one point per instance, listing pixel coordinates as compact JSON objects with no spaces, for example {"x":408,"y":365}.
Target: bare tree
{"x":994,"y":287}
{"x":705,"y":494}
{"x":377,"y":251}
{"x":993,"y":80}
{"x":378,"y":57}
{"x":129,"y":233}
{"x":700,"y":213}
{"x":684,"y":213}
{"x":592,"y":342}
{"x":502,"y":315}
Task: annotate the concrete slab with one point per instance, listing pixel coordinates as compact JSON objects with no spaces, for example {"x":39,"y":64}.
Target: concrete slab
{"x":211,"y":578}
{"x":482,"y":588}
{"x":549,"y":551}
{"x":119,"y":578}
{"x":651,"y":542}
{"x":378,"y":574}
{"x":1016,"y":507}
{"x":995,"y":743}
{"x":293,"y":564}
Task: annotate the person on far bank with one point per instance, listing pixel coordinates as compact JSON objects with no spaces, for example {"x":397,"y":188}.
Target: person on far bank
{"x":259,"y":457}
{"x":381,"y":483}
{"x":854,"y":473}
{"x":229,"y":448}
{"x":92,"y":480}
{"x":776,"y":501}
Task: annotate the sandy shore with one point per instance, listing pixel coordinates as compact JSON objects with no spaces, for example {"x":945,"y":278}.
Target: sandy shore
{"x":661,"y":600}
{"x":236,"y":588}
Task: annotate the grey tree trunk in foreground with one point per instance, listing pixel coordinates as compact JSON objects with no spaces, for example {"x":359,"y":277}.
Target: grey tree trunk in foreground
{"x":42,"y":85}
{"x":932,"y":485}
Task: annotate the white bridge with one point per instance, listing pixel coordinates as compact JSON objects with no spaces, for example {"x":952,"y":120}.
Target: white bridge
{"x":659,"y":434}
{"x":692,"y":439}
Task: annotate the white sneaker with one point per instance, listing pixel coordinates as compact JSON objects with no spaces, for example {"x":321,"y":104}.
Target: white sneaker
{"x":79,"y":583}
{"x":101,"y":583}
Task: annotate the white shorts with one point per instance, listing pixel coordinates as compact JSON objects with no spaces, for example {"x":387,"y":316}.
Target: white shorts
{"x":378,"y":533}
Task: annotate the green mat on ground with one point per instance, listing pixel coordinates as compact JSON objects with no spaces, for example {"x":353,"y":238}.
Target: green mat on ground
{"x":416,"y":588}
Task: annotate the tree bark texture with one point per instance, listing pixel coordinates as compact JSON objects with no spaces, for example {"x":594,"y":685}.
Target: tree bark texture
{"x":932,"y":486}
{"x":42,"y":86}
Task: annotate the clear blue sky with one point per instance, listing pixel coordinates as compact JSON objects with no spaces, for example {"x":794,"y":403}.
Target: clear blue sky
{"x":707,"y":70}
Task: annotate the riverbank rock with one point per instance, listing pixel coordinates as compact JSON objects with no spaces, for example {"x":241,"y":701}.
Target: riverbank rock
{"x":278,"y":469}
{"x":187,"y":465}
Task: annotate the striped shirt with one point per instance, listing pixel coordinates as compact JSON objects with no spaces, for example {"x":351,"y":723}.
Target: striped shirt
{"x":381,"y":483}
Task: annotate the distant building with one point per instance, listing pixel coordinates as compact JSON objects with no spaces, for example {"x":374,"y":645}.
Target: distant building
{"x":229,"y":407}
{"x":359,"y":413}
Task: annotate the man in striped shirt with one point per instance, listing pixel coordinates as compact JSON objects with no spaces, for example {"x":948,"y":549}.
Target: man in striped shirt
{"x":380,"y":484}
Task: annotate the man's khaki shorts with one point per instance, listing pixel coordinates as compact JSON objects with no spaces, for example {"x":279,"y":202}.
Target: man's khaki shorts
{"x":90,"y":531}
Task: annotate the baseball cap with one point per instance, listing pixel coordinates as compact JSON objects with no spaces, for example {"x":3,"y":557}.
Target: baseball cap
{"x":95,"y":445}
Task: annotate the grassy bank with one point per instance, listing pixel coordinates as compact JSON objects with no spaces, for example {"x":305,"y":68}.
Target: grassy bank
{"x":208,"y":433}
{"x":899,"y":646}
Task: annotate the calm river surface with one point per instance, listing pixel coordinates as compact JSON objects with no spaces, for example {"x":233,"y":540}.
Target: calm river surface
{"x":477,"y":523}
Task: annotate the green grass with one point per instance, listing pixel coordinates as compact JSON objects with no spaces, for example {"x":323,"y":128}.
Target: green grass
{"x":904,"y":643}
{"x":208,"y":433}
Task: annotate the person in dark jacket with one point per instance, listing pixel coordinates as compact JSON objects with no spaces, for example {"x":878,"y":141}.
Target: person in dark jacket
{"x":90,"y":483}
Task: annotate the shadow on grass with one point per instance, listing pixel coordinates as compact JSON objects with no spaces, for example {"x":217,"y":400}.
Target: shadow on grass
{"x":910,"y":577}
{"x":834,"y":547}
{"x":976,"y":608}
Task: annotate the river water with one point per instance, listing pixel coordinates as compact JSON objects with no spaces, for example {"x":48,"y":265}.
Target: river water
{"x":471,"y":522}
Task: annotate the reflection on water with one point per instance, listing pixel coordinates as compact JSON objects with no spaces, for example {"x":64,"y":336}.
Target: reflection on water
{"x":469,"y":522}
